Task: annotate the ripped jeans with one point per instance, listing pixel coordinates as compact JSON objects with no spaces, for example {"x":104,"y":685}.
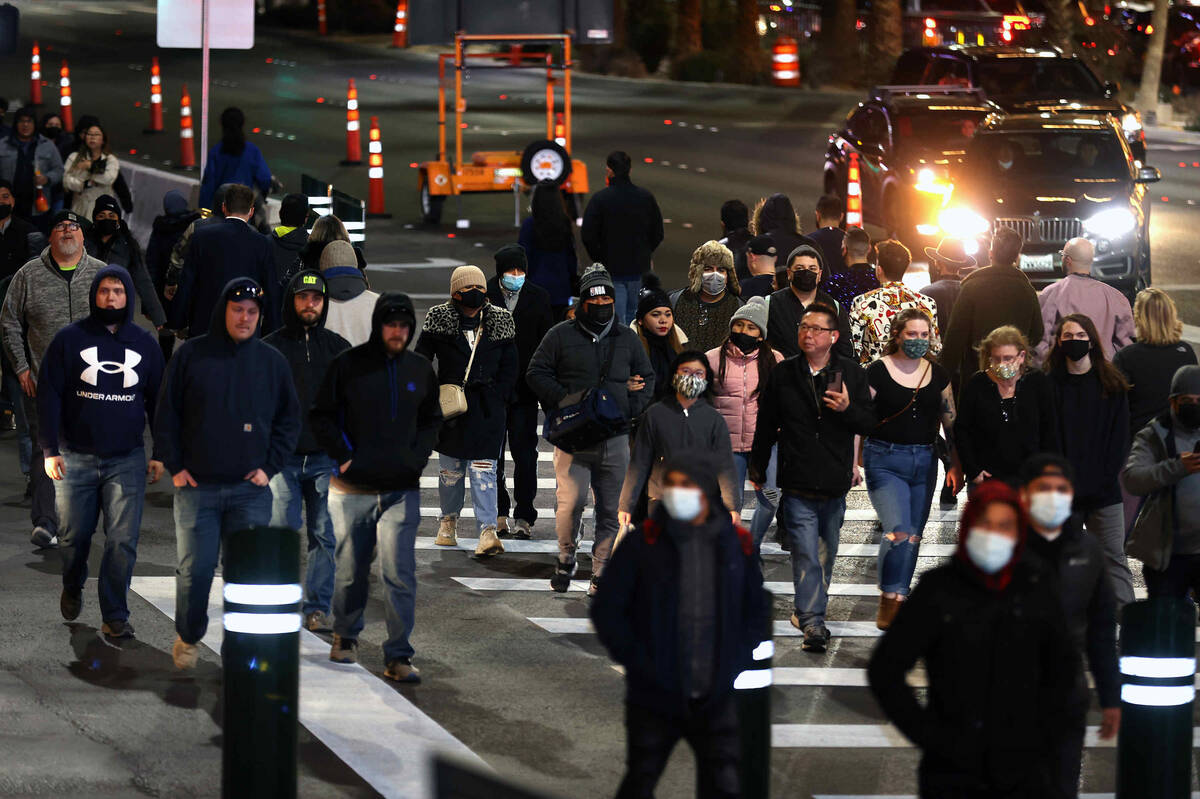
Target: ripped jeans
{"x":900,"y":482}
{"x":452,"y":488}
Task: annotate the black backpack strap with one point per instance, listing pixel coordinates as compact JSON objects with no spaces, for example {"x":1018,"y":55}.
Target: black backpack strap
{"x":608,"y":359}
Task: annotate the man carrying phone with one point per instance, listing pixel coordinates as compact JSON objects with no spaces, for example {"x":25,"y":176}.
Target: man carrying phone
{"x":813,"y":405}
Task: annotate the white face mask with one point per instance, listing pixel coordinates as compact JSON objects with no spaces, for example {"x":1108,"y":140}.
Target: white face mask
{"x":713,"y":282}
{"x":682,"y":504}
{"x":988,"y":550}
{"x":1050,"y":509}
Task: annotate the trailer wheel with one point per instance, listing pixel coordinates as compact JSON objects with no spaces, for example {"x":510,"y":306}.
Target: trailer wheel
{"x":431,"y":205}
{"x":545,"y":160}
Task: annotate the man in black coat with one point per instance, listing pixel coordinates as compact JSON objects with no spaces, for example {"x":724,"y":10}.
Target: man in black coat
{"x":622,"y":227}
{"x":218,"y":253}
{"x":110,"y":241}
{"x":1077,"y":560}
{"x":529,"y":305}
{"x":304,"y":477}
{"x":20,"y":241}
{"x":735,"y":223}
{"x":682,"y":608}
{"x":805,"y":266}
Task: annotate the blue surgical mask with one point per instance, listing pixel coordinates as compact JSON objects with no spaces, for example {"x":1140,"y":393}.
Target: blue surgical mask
{"x":915,"y":347}
{"x":989,"y":551}
{"x":512,"y":282}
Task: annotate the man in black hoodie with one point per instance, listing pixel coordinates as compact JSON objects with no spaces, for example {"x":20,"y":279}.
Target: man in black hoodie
{"x":110,"y":241}
{"x":377,"y":414}
{"x":166,"y":232}
{"x":309,"y":349}
{"x":227,"y":420}
{"x":290,"y":236}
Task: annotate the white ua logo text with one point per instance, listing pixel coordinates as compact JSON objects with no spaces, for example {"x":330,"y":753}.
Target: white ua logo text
{"x":91,"y":356}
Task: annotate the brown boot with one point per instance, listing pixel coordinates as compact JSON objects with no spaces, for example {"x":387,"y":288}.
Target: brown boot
{"x":888,"y":607}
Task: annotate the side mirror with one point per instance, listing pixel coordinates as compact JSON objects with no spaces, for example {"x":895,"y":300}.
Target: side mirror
{"x":1111,"y":88}
{"x":873,"y":149}
{"x":1148,"y":174}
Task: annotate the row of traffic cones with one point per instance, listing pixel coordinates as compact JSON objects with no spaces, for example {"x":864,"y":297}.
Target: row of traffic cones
{"x":399,"y":28}
{"x":375,"y":206}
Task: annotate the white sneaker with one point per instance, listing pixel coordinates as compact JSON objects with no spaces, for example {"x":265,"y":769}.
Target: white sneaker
{"x":489,"y":542}
{"x":519,"y":529}
{"x":446,"y":530}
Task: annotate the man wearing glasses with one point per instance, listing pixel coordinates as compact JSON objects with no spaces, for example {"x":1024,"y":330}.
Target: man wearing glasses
{"x":46,"y":294}
{"x":812,"y":407}
{"x":790,"y":303}
{"x":228,"y":419}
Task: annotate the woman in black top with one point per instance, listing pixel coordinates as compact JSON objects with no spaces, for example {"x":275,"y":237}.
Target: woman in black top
{"x":1006,"y":410}
{"x":660,"y":336}
{"x":913,"y":398}
{"x":1093,"y":412}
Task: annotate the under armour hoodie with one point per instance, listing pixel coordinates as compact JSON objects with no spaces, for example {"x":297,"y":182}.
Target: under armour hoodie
{"x":97,"y":387}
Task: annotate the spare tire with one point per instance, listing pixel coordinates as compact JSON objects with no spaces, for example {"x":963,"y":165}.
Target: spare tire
{"x":545,"y":160}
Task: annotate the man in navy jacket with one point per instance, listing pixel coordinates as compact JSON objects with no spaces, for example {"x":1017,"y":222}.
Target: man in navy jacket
{"x":227,"y":421}
{"x":98,"y":384}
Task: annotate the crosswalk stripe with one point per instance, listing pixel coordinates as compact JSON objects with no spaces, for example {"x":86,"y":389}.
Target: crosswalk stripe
{"x":782,"y":587}
{"x":782,"y":629}
{"x":548,"y":547}
{"x":852,"y":514}
{"x":879,"y":736}
{"x":549,"y":483}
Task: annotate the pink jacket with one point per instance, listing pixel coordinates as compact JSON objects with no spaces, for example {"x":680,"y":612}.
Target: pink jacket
{"x":732,"y":397}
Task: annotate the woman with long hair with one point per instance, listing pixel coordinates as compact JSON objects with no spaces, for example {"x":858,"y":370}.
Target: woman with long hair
{"x":234,"y":160}
{"x":775,"y":216}
{"x":660,"y":336}
{"x":913,"y":399}
{"x":326,"y":229}
{"x":548,"y":236}
{"x":741,"y":366}
{"x":706,"y":306}
{"x":90,"y":171}
{"x":1093,"y":410}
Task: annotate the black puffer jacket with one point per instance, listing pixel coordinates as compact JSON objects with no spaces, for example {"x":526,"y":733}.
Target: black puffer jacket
{"x":478,"y":433}
{"x":309,"y":351}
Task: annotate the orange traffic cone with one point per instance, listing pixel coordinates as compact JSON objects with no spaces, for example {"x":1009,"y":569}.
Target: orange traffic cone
{"x":35,"y":77}
{"x":353,"y":136}
{"x":853,"y":193}
{"x":156,"y":120}
{"x":375,"y":173}
{"x":40,"y":203}
{"x":64,"y":100}
{"x":400,"y":29}
{"x":322,"y":26}
{"x":187,"y":145}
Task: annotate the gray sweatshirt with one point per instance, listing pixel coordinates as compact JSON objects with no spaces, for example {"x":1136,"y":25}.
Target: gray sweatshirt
{"x":42,"y":301}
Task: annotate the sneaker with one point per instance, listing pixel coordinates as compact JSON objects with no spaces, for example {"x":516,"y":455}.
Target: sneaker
{"x":782,"y":539}
{"x":402,"y":670}
{"x":70,"y":603}
{"x":502,"y":530}
{"x":184,"y":654}
{"x":947,"y":497}
{"x":816,"y":637}
{"x":117,"y":629}
{"x":489,"y":543}
{"x":593,"y":586}
{"x":888,"y":608}
{"x":563,"y":572}
{"x":519,"y":529}
{"x":43,"y":538}
{"x":446,"y":530}
{"x":345,"y":650}
{"x":317,"y":622}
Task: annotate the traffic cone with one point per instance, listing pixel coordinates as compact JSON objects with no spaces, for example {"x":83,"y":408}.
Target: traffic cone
{"x":35,"y":77}
{"x":560,"y":130}
{"x":375,"y":173}
{"x":353,"y":136}
{"x":187,"y":145}
{"x":400,"y":29}
{"x":322,"y":26}
{"x":156,"y":120}
{"x":853,"y":193}
{"x":64,"y":100}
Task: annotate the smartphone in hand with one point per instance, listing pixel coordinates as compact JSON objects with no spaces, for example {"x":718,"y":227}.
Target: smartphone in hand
{"x":835,"y":382}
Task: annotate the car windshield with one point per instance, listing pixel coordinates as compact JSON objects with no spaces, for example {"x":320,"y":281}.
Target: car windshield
{"x":1081,"y":156}
{"x":947,"y":127}
{"x":1037,"y":78}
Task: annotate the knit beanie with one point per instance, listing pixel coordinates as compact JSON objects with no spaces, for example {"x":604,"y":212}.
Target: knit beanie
{"x":106,"y":202}
{"x":755,"y":311}
{"x":466,"y":275}
{"x":511,"y":256}
{"x":596,"y":282}
{"x":1186,"y":381}
{"x":652,"y":295}
{"x":338,"y":253}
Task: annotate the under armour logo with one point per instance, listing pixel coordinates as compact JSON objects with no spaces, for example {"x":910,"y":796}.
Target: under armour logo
{"x":91,"y":356}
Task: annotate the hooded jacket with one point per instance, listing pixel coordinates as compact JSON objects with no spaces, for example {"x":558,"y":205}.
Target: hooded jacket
{"x":164,"y":235}
{"x":287,"y":252}
{"x":227,"y":408}
{"x":123,"y":250}
{"x":622,"y":226}
{"x":352,"y":304}
{"x":97,"y":388}
{"x":46,"y":159}
{"x":42,"y":300}
{"x":380,"y":412}
{"x":309,"y":352}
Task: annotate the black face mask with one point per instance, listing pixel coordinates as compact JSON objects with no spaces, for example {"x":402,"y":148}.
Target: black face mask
{"x":744,"y":342}
{"x":599,"y":315}
{"x":804,"y":281}
{"x":107,"y":227}
{"x":1189,"y":414}
{"x":110,"y":316}
{"x":472,"y":298}
{"x":5,"y":211}
{"x":1075,"y":349}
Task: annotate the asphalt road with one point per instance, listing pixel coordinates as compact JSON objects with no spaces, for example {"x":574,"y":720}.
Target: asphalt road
{"x":536,"y":703}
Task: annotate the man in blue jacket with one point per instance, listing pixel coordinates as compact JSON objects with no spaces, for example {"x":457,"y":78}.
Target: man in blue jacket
{"x":98,"y":384}
{"x":682,"y":607}
{"x":227,"y":420}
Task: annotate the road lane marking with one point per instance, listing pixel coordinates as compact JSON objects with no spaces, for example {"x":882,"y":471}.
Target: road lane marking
{"x":544,"y":546}
{"x":852,"y":514}
{"x":882,"y":736}
{"x":783,"y":629}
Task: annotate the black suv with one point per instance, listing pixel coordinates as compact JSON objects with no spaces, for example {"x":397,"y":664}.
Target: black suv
{"x":1023,"y":80}
{"x":1053,"y":177}
{"x":907,"y":139}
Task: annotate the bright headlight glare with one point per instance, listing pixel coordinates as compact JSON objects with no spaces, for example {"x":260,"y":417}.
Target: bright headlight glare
{"x":1111,"y":223}
{"x":962,"y":223}
{"x":1130,"y":123}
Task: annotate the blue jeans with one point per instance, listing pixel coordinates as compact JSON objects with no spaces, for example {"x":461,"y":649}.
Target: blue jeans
{"x":359,"y":521}
{"x":808,"y":524}
{"x":900,"y":481}
{"x":626,"y":289}
{"x":305,"y":479}
{"x":114,"y":487}
{"x":203,"y":516}
{"x":768,"y":497}
{"x":452,"y":488}
{"x":13,"y":393}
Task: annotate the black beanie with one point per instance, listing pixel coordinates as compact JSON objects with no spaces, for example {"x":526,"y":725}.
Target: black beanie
{"x":511,"y":256}
{"x":106,"y":202}
{"x":651,"y":296}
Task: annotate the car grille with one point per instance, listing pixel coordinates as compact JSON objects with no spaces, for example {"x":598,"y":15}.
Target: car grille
{"x":1038,"y":229}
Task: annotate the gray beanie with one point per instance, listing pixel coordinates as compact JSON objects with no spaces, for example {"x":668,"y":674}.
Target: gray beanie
{"x":1186,"y":381}
{"x":810,"y":251}
{"x":596,"y":282}
{"x":755,"y":310}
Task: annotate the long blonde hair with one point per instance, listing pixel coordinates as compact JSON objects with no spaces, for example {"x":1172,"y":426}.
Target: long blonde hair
{"x":1156,"y":318}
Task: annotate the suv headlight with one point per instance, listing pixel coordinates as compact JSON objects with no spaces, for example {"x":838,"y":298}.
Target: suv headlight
{"x":963,"y":223}
{"x":1111,"y":223}
{"x":1131,"y":123}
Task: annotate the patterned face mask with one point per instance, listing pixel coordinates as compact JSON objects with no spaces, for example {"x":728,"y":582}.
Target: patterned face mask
{"x":689,"y":386}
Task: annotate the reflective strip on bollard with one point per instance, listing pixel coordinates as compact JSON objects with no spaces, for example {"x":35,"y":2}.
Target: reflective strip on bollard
{"x":248,"y":594}
{"x":1158,"y":695}
{"x":752,"y":679}
{"x":1157,"y":668}
{"x":262,"y":623}
{"x":764,"y":651}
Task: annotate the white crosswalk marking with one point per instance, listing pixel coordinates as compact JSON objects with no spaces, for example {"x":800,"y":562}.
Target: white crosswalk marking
{"x":852,"y":514}
{"x":545,"y":547}
{"x":783,"y":629}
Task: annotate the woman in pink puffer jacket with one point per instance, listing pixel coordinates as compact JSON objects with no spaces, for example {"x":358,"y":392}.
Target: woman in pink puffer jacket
{"x":741,"y":364}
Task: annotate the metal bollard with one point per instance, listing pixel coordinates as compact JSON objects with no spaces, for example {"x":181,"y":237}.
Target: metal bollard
{"x":752,"y":692}
{"x":260,"y":660}
{"x":1158,"y":672}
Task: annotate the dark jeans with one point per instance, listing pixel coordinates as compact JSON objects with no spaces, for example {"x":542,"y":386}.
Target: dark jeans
{"x":1181,"y":576}
{"x":166,"y":342}
{"x":13,"y":393}
{"x":203,"y":516}
{"x":1064,"y":762}
{"x":522,"y":441}
{"x":114,"y":487}
{"x":43,"y":512}
{"x":304,"y":481}
{"x":713,"y":735}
